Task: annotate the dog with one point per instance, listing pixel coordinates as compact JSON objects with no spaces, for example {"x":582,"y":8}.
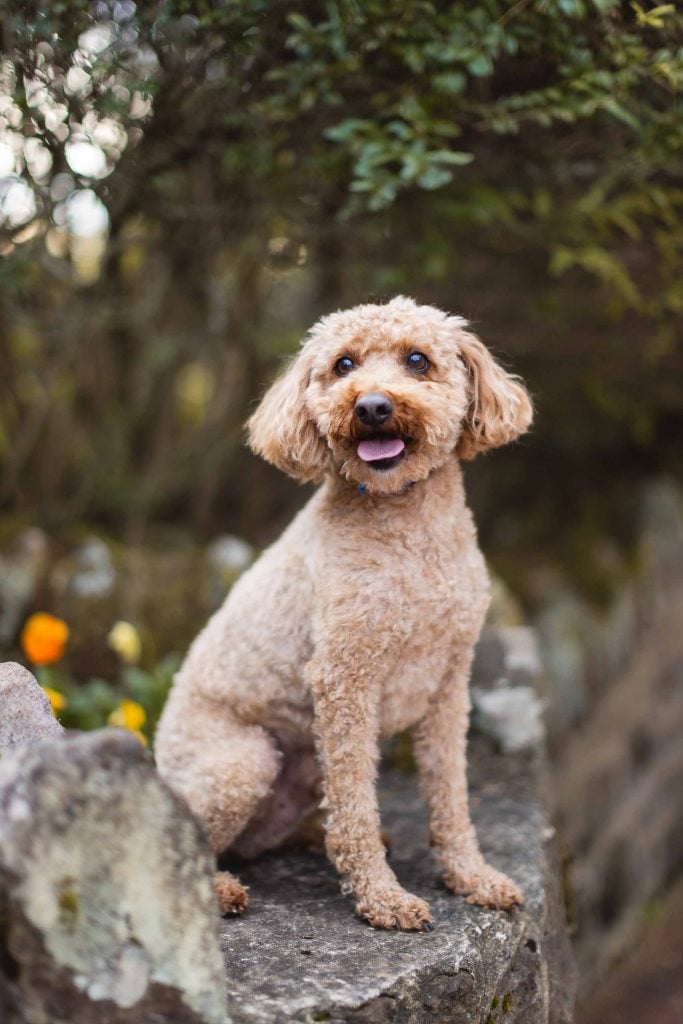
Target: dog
{"x":360,"y":621}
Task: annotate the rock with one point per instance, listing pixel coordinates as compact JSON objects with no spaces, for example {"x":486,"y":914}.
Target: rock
{"x":506,"y":655}
{"x":21,"y":568}
{"x":489,"y":658}
{"x":93,"y":574}
{"x":566,"y":632}
{"x":300,"y":954}
{"x":25,"y":711}
{"x":510,"y":715}
{"x":506,"y":708}
{"x":107,"y":911}
{"x":522,"y":658}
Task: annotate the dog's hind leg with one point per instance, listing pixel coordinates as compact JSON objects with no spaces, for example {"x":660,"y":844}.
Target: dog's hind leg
{"x":224,"y":770}
{"x":293,"y":798}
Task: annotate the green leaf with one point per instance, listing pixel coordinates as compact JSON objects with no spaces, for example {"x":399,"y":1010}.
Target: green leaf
{"x":451,"y":156}
{"x":298,"y":21}
{"x":345,"y":130}
{"x":480,"y":65}
{"x":615,"y":108}
{"x":450,"y":82}
{"x":434,"y":177}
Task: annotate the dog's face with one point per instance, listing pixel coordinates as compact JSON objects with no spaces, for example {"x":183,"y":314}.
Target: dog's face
{"x":382,"y":395}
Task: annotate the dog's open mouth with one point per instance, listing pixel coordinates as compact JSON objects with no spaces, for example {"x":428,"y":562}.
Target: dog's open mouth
{"x":382,"y":451}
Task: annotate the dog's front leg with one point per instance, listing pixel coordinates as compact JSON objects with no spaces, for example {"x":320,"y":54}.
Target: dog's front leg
{"x":346,"y":725}
{"x":440,"y":742}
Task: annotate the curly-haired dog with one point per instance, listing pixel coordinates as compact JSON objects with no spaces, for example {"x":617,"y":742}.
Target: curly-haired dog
{"x":361,"y":619}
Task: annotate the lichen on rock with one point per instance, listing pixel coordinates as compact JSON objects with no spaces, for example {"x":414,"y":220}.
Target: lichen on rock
{"x":108,"y":912}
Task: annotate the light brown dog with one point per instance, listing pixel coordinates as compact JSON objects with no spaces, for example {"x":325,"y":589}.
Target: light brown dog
{"x":360,"y":621}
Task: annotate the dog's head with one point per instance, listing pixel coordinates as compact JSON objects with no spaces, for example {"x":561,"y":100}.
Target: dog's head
{"x":382,"y":395}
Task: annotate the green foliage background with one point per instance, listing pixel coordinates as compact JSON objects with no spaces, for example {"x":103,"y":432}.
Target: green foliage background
{"x":517,"y":162}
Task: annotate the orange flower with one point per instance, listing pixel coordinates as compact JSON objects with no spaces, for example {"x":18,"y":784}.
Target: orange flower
{"x":44,"y":638}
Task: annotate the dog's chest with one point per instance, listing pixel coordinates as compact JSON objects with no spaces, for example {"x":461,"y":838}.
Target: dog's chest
{"x":434,"y":584}
{"x":434,"y":604}
{"x":406,"y":692}
{"x":412,"y":610}
{"x":398,"y":596}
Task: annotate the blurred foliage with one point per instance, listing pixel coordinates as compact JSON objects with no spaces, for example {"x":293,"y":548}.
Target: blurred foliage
{"x":133,"y":700}
{"x":189,"y":184}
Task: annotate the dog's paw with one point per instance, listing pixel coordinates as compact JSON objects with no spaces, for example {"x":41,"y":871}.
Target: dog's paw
{"x":395,"y":909}
{"x":485,"y":886}
{"x":233,"y":897}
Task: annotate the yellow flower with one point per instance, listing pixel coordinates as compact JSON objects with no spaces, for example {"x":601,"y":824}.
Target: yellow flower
{"x":57,"y":699}
{"x":128,"y":715}
{"x":44,"y":638}
{"x":125,"y":640}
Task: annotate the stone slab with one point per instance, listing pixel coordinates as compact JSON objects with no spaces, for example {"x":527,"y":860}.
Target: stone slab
{"x":25,"y":712}
{"x":107,"y":909}
{"x":300,"y":954}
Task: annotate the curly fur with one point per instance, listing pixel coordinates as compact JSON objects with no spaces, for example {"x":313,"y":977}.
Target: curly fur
{"x":360,"y":621}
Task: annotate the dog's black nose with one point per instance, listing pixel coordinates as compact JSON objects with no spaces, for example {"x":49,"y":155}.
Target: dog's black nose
{"x":374,"y":409}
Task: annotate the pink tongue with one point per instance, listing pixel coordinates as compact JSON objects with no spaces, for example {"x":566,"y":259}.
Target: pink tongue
{"x":380,"y":448}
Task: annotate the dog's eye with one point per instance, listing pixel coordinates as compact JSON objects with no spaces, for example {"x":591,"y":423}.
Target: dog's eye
{"x":344,"y":366}
{"x":418,"y":361}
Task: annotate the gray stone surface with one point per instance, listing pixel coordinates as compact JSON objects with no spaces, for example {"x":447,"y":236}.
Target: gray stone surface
{"x":510,"y":715}
{"x":614,"y":689}
{"x":25,"y":712}
{"x":505,"y":702}
{"x":107,"y":911}
{"x":93,"y":574}
{"x":300,"y":954}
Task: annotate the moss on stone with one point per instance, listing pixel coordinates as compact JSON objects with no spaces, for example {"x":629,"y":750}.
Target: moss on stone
{"x":68,"y":900}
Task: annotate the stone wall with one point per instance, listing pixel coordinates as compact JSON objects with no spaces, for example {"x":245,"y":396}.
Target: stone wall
{"x":303,"y":956}
{"x":612,"y":690}
{"x":614,"y":696}
{"x":107,"y":912}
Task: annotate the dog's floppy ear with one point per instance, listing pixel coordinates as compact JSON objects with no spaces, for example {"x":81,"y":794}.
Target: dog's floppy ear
{"x":499,"y":407}
{"x":282,"y":430}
